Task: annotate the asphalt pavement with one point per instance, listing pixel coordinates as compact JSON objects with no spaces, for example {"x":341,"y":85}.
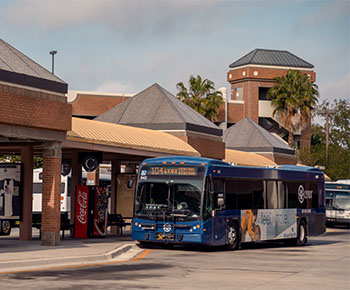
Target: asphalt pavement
{"x":16,"y":255}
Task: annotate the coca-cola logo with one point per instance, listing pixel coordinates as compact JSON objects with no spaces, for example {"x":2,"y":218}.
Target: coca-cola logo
{"x":83,"y":204}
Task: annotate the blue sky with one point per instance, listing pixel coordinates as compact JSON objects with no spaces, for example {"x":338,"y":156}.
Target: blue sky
{"x":126,"y":46}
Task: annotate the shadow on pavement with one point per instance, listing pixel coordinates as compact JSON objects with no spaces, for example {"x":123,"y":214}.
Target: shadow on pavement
{"x":111,"y":272}
{"x":10,"y":244}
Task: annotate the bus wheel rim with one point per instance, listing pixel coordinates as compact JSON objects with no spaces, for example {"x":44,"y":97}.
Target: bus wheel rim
{"x":5,"y":226}
{"x":231,"y":236}
{"x":302,"y":233}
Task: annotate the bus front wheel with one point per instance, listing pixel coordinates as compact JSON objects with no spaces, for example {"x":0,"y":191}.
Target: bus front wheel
{"x":232,"y":235}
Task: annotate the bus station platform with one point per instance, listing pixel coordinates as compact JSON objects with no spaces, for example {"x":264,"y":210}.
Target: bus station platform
{"x":18,"y":256}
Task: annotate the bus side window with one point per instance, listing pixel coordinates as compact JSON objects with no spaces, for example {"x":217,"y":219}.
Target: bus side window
{"x":313,"y":186}
{"x":281,"y":195}
{"x":231,"y":194}
{"x":293,"y":201}
{"x":218,"y":198}
{"x":271,"y":193}
{"x":258,"y":195}
{"x":244,"y":194}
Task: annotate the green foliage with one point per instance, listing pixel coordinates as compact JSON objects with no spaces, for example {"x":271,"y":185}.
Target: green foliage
{"x":37,"y":162}
{"x":293,"y":97}
{"x":338,"y":164}
{"x":10,"y":158}
{"x":201,"y":96}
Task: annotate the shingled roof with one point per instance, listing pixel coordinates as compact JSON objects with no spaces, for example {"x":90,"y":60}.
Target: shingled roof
{"x":156,"y":108}
{"x":271,"y":57}
{"x":17,"y":68}
{"x":248,"y":136}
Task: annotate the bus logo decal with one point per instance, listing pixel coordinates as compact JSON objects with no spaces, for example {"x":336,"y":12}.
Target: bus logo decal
{"x":301,"y":194}
{"x":167,"y":228}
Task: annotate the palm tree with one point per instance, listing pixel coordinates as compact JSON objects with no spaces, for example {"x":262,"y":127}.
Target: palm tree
{"x":201,"y":96}
{"x":293,"y":97}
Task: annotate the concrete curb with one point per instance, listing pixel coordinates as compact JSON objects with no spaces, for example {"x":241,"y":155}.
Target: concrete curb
{"x":123,"y":253}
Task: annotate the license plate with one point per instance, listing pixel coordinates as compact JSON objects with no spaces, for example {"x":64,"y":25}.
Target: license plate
{"x":165,"y":236}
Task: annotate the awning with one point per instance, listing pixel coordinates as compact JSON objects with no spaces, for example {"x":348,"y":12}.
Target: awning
{"x":102,"y":133}
{"x":246,"y":158}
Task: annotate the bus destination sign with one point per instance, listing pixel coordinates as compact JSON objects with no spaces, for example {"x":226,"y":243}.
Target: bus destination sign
{"x":167,"y":170}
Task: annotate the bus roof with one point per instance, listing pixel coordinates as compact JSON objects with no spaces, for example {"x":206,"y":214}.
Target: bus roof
{"x":186,"y":159}
{"x":209,"y":161}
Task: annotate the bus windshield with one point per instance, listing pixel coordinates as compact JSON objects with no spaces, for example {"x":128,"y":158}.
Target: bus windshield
{"x":171,"y":190}
{"x":342,"y":201}
{"x":176,"y":197}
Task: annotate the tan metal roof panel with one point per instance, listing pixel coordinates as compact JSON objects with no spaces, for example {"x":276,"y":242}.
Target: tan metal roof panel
{"x":97,"y":132}
{"x":246,"y":158}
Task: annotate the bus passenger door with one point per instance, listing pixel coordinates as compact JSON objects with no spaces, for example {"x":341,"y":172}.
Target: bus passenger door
{"x":218,"y":218}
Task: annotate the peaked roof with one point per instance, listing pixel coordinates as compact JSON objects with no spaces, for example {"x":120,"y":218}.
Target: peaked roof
{"x":271,"y":57}
{"x":156,"y":108}
{"x":17,"y":68}
{"x":248,"y":136}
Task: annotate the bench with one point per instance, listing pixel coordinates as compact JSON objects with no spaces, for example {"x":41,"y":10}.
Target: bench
{"x":117,"y":220}
{"x":65,"y":222}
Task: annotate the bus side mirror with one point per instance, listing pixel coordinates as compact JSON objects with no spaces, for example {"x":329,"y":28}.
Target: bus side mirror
{"x":221,"y":201}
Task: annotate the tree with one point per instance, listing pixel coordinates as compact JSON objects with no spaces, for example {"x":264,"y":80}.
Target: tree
{"x":201,"y":96}
{"x":338,"y":165}
{"x":293,"y":97}
{"x":37,"y":161}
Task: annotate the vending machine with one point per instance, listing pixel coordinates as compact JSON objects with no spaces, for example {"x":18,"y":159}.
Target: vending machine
{"x":91,"y":212}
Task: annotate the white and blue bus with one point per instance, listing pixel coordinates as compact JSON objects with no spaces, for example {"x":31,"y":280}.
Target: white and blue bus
{"x":193,"y":200}
{"x":338,"y":203}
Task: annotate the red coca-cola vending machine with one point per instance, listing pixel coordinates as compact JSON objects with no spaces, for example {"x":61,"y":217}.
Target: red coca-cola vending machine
{"x":91,"y":212}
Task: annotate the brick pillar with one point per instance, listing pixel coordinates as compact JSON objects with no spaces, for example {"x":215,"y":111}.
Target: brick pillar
{"x":25,"y":230}
{"x":51,"y":193}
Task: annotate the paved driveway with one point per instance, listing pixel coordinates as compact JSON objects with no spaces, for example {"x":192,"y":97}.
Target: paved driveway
{"x":322,"y":264}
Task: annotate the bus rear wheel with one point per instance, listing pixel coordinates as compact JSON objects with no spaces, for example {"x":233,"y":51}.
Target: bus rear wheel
{"x":232,"y":237}
{"x":301,"y":239}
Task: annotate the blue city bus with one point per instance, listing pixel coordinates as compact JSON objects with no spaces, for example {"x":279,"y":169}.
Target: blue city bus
{"x":194,"y":200}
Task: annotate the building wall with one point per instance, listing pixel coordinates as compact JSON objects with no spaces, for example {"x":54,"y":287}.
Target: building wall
{"x":279,"y":158}
{"x":36,"y":109}
{"x":207,"y":146}
{"x":260,"y":73}
{"x":94,"y":105}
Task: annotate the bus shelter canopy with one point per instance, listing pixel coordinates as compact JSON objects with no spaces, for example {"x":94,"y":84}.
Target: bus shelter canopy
{"x":115,"y":135}
{"x":246,"y":158}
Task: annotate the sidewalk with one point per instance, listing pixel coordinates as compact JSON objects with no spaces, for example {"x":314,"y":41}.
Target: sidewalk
{"x":16,"y":255}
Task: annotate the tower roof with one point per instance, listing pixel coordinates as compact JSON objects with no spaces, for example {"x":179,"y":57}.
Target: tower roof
{"x":271,"y":57}
{"x":156,"y":108}
{"x":19,"y":69}
{"x":248,"y":136}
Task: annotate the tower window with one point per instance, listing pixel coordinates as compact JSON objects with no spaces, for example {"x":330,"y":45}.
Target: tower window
{"x":262,"y":93}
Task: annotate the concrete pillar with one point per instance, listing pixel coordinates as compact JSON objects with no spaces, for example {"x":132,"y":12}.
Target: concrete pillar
{"x":25,"y":230}
{"x":115,"y":170}
{"x":75,"y":180}
{"x":51,"y":193}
